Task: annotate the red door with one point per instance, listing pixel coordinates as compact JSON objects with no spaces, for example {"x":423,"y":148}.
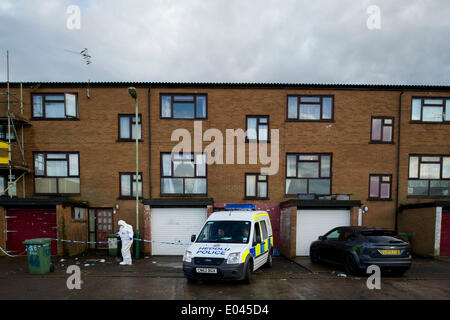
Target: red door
{"x":29,"y":223}
{"x":104,"y":226}
{"x":445,"y":234}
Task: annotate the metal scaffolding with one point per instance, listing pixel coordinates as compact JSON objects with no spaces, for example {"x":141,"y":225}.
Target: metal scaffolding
{"x":13,"y":121}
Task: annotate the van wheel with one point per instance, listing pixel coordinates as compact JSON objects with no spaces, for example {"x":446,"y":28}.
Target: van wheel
{"x":248,"y":272}
{"x":269,"y":262}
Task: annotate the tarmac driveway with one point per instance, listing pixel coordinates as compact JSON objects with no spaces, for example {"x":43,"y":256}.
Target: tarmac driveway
{"x":162,"y":278}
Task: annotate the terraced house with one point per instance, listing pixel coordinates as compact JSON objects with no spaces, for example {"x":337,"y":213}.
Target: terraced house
{"x":340,"y":148}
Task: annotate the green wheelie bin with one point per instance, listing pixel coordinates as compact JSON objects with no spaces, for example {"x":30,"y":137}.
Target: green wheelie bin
{"x":39,"y":259}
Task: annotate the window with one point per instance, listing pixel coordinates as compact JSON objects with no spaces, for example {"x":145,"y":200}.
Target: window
{"x":56,"y":173}
{"x":128,"y":185}
{"x":78,"y":214}
{"x":55,"y":106}
{"x":257,"y":128}
{"x":334,"y":234}
{"x":380,"y":186}
{"x":255,"y":185}
{"x":382,"y":129}
{"x":308,"y":174}
{"x":430,"y":109}
{"x":183,"y":173}
{"x":183,"y":106}
{"x":4,"y":182}
{"x":310,"y":108}
{"x":127,"y":127}
{"x":257,"y":233}
{"x":429,"y":175}
{"x":264,"y":230}
{"x":4,"y":133}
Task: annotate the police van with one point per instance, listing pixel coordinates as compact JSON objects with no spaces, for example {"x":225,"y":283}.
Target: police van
{"x":231,"y":245}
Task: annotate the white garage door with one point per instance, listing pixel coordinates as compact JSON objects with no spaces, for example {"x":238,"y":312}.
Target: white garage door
{"x":175,"y":225}
{"x":314,"y":223}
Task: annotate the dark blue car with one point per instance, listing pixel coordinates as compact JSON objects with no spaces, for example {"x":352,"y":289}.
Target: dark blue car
{"x":356,"y":248}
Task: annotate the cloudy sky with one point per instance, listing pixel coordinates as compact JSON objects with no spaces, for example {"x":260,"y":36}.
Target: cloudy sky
{"x":320,"y":41}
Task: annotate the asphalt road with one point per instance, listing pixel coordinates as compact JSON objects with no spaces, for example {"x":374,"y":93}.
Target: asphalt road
{"x":162,"y":278}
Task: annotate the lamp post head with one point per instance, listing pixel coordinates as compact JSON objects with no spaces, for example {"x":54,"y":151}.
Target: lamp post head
{"x":132,"y":91}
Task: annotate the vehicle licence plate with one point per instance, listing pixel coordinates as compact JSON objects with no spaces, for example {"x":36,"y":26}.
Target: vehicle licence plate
{"x":206,"y":270}
{"x":390,"y":252}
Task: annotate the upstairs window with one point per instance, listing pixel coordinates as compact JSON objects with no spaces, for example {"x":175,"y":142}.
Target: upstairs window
{"x":429,"y":175}
{"x":127,"y":127}
{"x":255,"y":186}
{"x":308,"y":174}
{"x":430,"y":110}
{"x":183,"y":106}
{"x":183,"y":174}
{"x":56,"y":173}
{"x":257,"y":128}
{"x":382,"y":130}
{"x":4,"y":133}
{"x":310,"y":108}
{"x":128,"y":185}
{"x":380,"y":187}
{"x":55,"y":106}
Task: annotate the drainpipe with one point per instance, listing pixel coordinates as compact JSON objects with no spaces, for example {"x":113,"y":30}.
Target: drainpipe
{"x":398,"y":158}
{"x":149,"y":145}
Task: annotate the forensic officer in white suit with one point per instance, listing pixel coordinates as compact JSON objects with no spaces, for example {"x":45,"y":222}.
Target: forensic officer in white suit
{"x":126,"y":236}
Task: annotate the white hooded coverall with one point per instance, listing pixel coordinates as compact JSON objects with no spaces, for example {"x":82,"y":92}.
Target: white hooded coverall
{"x":126,"y":236}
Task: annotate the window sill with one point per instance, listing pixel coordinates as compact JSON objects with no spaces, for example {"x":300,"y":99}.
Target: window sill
{"x":428,"y":197}
{"x":187,"y":119}
{"x":178,"y":195}
{"x":55,"y":119}
{"x":298,"y":120}
{"x":129,"y":140}
{"x":378,"y":199}
{"x":380,"y":142}
{"x":428,"y":122}
{"x":255,"y":198}
{"x":57,"y":194}
{"x":256,"y":141}
{"x":128,"y":198}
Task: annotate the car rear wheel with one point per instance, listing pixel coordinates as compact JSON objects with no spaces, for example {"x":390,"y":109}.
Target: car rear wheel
{"x":350,"y":265}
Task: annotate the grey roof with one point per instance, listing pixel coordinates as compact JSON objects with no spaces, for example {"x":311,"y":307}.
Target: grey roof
{"x":262,"y":85}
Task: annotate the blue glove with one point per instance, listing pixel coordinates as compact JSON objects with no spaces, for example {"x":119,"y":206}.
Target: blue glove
{"x":117,"y":234}
{"x":131,"y":239}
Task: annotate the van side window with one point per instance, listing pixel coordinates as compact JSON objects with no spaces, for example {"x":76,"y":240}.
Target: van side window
{"x":264,"y":230}
{"x":257,"y":234}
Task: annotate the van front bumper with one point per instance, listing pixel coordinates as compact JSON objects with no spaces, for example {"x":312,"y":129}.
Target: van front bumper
{"x":224,"y":271}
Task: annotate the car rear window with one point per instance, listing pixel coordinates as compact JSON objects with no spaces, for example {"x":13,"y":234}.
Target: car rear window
{"x":381,"y":236}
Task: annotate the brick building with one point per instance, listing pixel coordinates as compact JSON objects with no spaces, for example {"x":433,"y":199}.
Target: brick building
{"x":340,"y":147}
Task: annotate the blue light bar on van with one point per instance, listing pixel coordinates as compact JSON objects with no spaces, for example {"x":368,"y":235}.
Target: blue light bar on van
{"x":243,"y":206}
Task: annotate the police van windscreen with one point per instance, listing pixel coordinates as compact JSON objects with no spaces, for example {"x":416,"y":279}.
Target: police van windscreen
{"x":225,"y":232}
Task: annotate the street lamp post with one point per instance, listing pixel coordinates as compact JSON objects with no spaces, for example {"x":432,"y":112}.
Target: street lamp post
{"x":133,"y":93}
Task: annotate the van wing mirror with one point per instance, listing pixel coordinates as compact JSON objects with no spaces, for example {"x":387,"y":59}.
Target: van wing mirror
{"x":321,"y":238}
{"x":193,"y":238}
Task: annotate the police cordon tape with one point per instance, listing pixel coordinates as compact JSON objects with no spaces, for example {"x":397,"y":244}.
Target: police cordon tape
{"x":137,"y":239}
{"x":101,"y":242}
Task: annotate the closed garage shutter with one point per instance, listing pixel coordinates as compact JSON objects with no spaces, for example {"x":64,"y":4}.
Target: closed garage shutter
{"x":314,"y":223}
{"x":445,"y":234}
{"x":29,"y":223}
{"x":175,"y":225}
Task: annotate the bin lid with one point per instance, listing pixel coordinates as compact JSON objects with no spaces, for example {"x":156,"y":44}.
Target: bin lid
{"x":37,"y":241}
